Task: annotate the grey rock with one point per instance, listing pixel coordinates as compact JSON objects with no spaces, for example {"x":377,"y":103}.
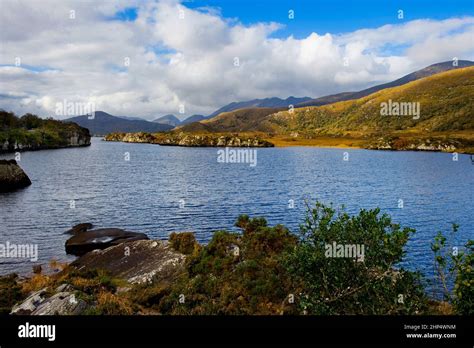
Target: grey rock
{"x":138,"y":261}
{"x":12,"y":177}
{"x":30,"y":304}
{"x":62,"y":303}
{"x":83,"y":242}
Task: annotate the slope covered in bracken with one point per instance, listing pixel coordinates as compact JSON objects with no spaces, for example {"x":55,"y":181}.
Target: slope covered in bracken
{"x":446,"y":102}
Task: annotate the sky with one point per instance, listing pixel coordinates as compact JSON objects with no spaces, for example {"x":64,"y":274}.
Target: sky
{"x":151,"y":58}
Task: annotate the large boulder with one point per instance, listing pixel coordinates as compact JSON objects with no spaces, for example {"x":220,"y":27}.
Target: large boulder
{"x":85,"y":241}
{"x":137,"y":262}
{"x":12,"y":177}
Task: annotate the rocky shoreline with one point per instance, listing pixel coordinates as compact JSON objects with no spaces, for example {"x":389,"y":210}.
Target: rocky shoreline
{"x":30,"y":133}
{"x":111,"y":253}
{"x":189,"y":140}
{"x":262,"y":270}
{"x":76,"y":139}
{"x":390,"y":143}
{"x":423,"y":144}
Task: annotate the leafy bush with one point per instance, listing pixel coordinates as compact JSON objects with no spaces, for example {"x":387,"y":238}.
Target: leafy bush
{"x":343,"y":285}
{"x":455,"y":266}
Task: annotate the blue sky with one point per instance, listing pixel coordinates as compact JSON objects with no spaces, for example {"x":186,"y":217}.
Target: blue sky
{"x":334,"y":16}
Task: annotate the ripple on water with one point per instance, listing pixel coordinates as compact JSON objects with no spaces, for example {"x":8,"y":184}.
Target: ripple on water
{"x":171,"y":189}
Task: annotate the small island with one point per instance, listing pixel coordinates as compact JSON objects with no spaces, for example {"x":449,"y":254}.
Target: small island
{"x":177,"y":138}
{"x":30,"y":132}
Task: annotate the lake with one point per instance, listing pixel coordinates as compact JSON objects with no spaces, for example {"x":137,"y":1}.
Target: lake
{"x":158,"y":190}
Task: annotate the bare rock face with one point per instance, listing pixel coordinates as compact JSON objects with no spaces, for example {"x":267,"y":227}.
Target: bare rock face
{"x":29,"y":305}
{"x":63,"y":302}
{"x":137,"y":262}
{"x":84,"y":241}
{"x":12,"y":177}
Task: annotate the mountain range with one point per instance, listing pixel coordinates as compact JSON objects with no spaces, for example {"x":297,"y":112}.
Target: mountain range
{"x":104,"y":123}
{"x":445,"y":104}
{"x":246,"y":115}
{"x":260,"y":103}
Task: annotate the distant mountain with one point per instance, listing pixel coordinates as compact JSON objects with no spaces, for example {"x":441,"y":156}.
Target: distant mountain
{"x":104,"y":123}
{"x":171,"y":120}
{"x":260,"y":103}
{"x":193,"y":118}
{"x":428,"y":71}
{"x":133,"y":118}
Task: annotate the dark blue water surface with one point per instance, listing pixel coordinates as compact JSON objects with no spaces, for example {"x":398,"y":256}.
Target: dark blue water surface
{"x":144,"y":194}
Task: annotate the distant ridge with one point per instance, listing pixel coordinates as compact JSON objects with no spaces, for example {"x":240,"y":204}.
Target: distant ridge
{"x":425,"y":72}
{"x":260,"y":103}
{"x":170,"y":120}
{"x":104,"y":123}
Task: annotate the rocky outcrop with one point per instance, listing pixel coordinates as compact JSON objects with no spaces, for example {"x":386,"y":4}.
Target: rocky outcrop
{"x":424,"y":144}
{"x":12,"y":177}
{"x":137,"y":262}
{"x":84,"y":241}
{"x":63,"y":302}
{"x":190,"y":140}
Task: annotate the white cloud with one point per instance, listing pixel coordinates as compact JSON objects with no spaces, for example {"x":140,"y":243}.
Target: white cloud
{"x":190,"y":60}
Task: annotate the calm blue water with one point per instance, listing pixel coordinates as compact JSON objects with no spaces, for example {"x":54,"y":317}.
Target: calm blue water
{"x":145,"y":193}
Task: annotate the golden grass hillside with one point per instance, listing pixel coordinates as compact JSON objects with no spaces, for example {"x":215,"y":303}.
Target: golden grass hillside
{"x":446,"y":104}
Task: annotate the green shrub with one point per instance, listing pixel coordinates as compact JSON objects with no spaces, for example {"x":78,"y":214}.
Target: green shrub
{"x":347,"y":285}
{"x":455,"y":266}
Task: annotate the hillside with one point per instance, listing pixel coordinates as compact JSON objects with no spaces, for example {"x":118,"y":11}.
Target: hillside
{"x":242,"y":120}
{"x":446,"y":104}
{"x":104,"y":123}
{"x":428,"y":71}
{"x":193,"y":118}
{"x":444,"y":122}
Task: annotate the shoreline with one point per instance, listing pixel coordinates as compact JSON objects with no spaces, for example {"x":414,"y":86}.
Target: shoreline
{"x":462,"y":143}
